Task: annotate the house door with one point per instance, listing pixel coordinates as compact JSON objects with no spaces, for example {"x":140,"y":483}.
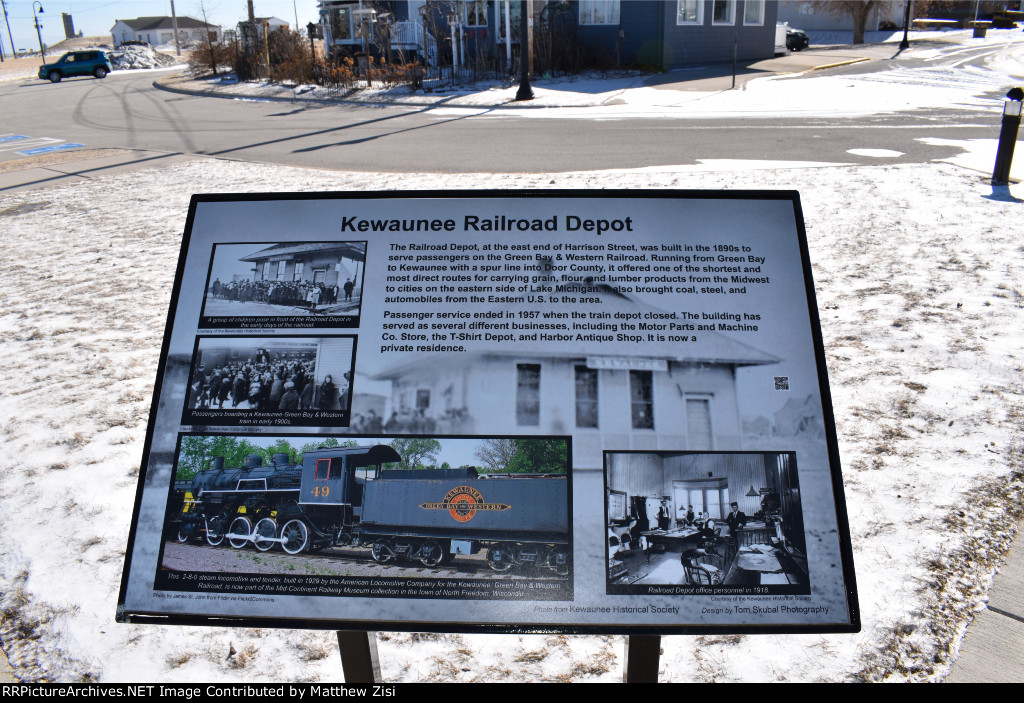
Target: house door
{"x":319,"y":275}
{"x":698,"y":423}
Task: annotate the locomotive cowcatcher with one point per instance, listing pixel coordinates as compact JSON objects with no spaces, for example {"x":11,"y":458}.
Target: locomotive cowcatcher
{"x":341,"y":496}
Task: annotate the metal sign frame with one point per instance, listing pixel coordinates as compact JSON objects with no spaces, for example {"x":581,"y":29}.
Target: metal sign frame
{"x":674,"y":393}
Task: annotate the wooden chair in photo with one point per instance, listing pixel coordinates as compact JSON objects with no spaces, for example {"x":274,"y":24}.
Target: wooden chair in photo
{"x":697,"y":574}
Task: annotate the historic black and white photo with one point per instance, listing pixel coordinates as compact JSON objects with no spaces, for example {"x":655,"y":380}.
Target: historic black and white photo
{"x":320,"y":280}
{"x":304,"y":380}
{"x":730,"y":522}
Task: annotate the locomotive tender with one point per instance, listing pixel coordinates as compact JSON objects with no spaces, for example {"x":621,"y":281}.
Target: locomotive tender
{"x":340,"y":496}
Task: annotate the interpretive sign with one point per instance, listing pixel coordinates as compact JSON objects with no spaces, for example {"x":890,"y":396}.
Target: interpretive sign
{"x":555,"y":411}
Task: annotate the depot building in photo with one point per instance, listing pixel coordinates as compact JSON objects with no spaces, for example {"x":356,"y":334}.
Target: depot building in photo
{"x":329,"y":263}
{"x":608,"y":393}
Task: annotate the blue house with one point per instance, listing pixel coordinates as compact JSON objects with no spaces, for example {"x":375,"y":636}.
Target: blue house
{"x":567,"y":36}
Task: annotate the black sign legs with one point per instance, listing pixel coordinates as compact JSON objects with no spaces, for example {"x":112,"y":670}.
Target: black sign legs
{"x":643,"y":654}
{"x":359,"y":660}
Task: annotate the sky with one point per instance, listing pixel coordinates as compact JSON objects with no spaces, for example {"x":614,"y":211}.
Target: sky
{"x":96,"y":17}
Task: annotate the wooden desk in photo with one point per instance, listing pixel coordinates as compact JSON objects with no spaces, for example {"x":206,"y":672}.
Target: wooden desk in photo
{"x":752,"y":533}
{"x":754,"y":568}
{"x":674,"y":539}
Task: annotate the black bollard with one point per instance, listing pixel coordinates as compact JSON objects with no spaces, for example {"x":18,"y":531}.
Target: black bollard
{"x":1007,"y":137}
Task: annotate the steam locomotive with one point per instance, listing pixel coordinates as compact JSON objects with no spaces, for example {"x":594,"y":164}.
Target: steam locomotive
{"x":341,"y":496}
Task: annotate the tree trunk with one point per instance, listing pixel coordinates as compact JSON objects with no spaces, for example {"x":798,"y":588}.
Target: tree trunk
{"x":860,"y":12}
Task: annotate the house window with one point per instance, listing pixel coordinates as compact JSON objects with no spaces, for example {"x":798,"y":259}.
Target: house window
{"x":422,"y":399}
{"x":599,"y":11}
{"x":690,"y":12}
{"x":341,"y":23}
{"x":586,"y":397}
{"x":723,"y":11}
{"x":281,"y":268}
{"x":474,"y":13}
{"x":641,"y":397}
{"x":514,"y":15}
{"x":266,"y":270}
{"x":753,"y":12}
{"x":298,"y":271}
{"x":528,"y":394}
{"x":709,"y":496}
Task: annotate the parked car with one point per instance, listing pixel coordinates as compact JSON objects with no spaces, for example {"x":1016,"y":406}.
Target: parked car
{"x":76,"y":63}
{"x":797,"y":39}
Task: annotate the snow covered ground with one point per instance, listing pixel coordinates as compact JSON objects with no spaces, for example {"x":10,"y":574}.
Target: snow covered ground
{"x":919,"y":271}
{"x":631,"y":95}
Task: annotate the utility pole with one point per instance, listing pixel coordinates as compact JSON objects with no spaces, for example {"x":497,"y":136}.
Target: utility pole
{"x":174,"y":23}
{"x":14,"y":51}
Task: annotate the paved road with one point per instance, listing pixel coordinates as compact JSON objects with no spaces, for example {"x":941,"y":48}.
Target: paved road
{"x":125,"y":110}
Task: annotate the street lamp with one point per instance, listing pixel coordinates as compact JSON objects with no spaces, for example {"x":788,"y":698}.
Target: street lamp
{"x":42,"y":53}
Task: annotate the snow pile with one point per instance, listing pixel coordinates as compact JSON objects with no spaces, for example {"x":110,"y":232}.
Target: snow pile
{"x":134,"y":56}
{"x":920,"y":285}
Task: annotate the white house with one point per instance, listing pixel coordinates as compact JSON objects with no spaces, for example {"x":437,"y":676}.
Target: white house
{"x":160,"y":30}
{"x":274,"y":23}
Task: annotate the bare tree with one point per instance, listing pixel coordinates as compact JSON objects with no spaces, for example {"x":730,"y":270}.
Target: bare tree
{"x":214,"y":52}
{"x":857,"y":10}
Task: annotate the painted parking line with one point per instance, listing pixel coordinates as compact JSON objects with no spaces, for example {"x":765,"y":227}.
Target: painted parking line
{"x":48,"y":149}
{"x":31,"y":143}
{"x":32,"y":146}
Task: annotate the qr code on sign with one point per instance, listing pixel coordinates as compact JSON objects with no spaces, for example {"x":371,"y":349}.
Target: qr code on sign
{"x":782,"y":383}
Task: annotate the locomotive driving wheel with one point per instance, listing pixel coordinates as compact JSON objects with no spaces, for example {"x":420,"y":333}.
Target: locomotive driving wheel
{"x":431,"y":554}
{"x":295,"y":535}
{"x":239,"y":526}
{"x":501,"y":557}
{"x":214,"y":536}
{"x":264,"y":534}
{"x":383,"y":551}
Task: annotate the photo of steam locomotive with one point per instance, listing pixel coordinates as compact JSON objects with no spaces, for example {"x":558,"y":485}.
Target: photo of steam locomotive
{"x":349,"y":497}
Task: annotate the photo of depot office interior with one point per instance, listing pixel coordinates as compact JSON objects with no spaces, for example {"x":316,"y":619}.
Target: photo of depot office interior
{"x":704,"y":519}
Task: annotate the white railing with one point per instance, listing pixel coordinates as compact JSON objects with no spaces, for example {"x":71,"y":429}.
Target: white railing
{"x":411,"y":35}
{"x":407,"y":35}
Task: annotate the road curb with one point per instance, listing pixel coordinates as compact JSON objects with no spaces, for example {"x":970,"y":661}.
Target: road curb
{"x":440,"y":102}
{"x":839,"y":63}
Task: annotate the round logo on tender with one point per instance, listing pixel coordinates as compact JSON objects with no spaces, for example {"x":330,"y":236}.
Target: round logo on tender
{"x":462,"y":501}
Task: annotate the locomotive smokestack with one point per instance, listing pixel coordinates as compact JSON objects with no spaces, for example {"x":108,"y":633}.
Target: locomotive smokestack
{"x":218,"y":463}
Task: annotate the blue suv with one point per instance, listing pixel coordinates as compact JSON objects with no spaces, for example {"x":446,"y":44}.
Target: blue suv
{"x":77,"y":63}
